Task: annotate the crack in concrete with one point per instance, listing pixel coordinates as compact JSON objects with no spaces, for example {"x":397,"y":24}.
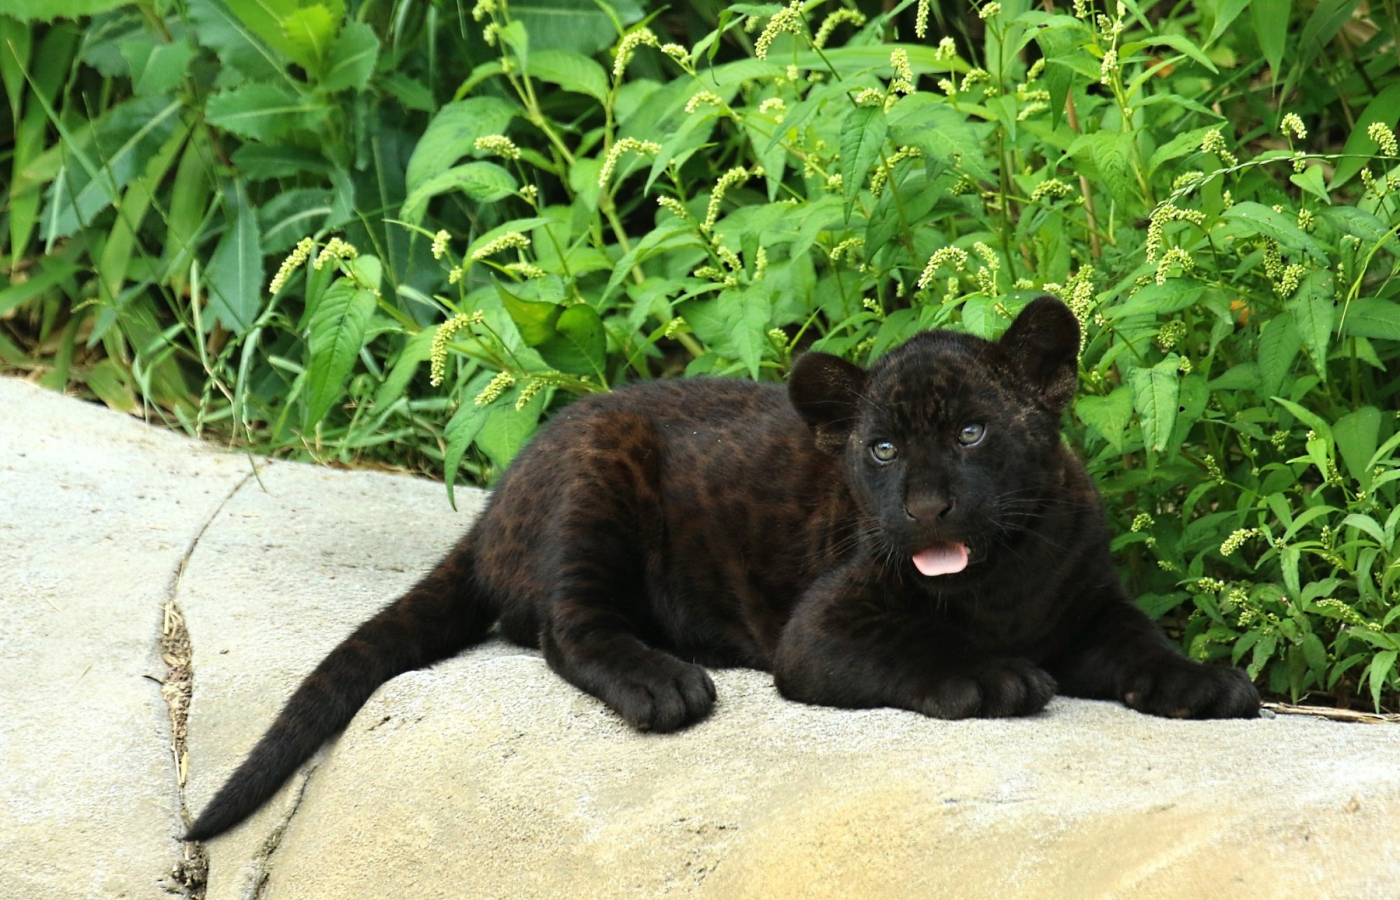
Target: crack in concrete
{"x":189,"y":874}
{"x":261,"y":870}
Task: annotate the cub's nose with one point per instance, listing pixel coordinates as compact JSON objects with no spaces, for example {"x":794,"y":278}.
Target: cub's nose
{"x":929,"y":507}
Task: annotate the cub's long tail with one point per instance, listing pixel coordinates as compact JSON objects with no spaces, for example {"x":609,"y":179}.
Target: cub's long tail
{"x":442,"y":614}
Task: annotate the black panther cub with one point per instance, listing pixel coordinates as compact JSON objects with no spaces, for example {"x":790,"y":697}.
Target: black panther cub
{"x":916,"y":535}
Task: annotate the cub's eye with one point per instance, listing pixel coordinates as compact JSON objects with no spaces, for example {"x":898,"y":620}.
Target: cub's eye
{"x":971,"y":435}
{"x":884,"y":451}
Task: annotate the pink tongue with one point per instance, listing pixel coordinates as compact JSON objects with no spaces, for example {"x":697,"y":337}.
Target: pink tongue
{"x":941,"y":559}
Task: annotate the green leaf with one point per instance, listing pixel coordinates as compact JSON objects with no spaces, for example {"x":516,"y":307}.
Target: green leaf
{"x":104,"y":159}
{"x":583,"y":26}
{"x":50,"y":10}
{"x":746,"y":314}
{"x":157,"y":68}
{"x":1360,"y":223}
{"x":1372,"y":317}
{"x":1312,"y":308}
{"x":944,"y":134}
{"x":507,"y":429}
{"x":1382,"y":670}
{"x":260,"y":162}
{"x":1112,"y":155}
{"x":234,"y":275}
{"x":1155,"y":398}
{"x":535,"y":320}
{"x":1057,"y":44}
{"x":352,"y":58}
{"x":337,"y":332}
{"x":862,"y":138}
{"x":571,"y":71}
{"x":1310,"y":180}
{"x":461,"y":430}
{"x":1177,"y":147}
{"x":1108,"y":416}
{"x":579,"y":345}
{"x":452,"y":135}
{"x":1279,"y":344}
{"x":1357,"y":434}
{"x":1271,"y":19}
{"x":482,"y":181}
{"x":1360,"y":149}
{"x":1279,"y":226}
{"x":1182,"y":45}
{"x":237,"y":45}
{"x":264,"y":112}
{"x":1172,"y":295}
{"x":1225,"y":12}
{"x":311,"y":31}
{"x":415,"y":352}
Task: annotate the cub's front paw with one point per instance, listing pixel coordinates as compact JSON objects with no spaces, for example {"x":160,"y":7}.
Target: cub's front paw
{"x":666,"y":695}
{"x":998,"y":688}
{"x":1181,"y":689}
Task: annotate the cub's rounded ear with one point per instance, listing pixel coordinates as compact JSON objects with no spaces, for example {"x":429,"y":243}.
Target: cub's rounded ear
{"x":825,"y":391}
{"x":1043,"y":343}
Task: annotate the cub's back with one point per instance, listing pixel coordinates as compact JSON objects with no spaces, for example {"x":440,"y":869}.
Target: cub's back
{"x":716,"y":482}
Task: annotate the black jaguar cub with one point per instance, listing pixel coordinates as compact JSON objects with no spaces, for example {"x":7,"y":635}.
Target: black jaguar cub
{"x":916,"y":535}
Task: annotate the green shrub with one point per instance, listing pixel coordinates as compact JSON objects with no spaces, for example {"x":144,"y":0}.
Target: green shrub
{"x":1211,"y":189}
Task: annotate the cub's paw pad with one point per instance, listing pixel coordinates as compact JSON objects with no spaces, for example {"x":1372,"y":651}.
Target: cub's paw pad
{"x":665,"y":696}
{"x":1183,"y":689}
{"x":1011,"y":687}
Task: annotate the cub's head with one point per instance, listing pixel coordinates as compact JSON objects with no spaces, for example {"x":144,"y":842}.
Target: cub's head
{"x":951,"y":442}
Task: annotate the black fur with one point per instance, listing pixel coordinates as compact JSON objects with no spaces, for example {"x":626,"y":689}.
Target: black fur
{"x":678,"y":524}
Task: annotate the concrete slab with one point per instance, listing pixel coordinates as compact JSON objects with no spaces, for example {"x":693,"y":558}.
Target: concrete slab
{"x":487,"y":776}
{"x":97,"y":514}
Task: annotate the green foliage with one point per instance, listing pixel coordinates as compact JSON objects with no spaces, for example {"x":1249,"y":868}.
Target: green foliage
{"x":543,"y":200}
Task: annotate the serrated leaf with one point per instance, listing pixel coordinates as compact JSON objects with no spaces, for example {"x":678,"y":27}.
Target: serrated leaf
{"x":352,"y":58}
{"x":237,"y":45}
{"x":264,"y":112}
{"x":310,"y":30}
{"x":579,"y":345}
{"x":1372,"y":317}
{"x":337,"y":332}
{"x":452,"y":135}
{"x":482,"y":181}
{"x":862,"y":138}
{"x":1155,"y":392}
{"x":234,"y":274}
